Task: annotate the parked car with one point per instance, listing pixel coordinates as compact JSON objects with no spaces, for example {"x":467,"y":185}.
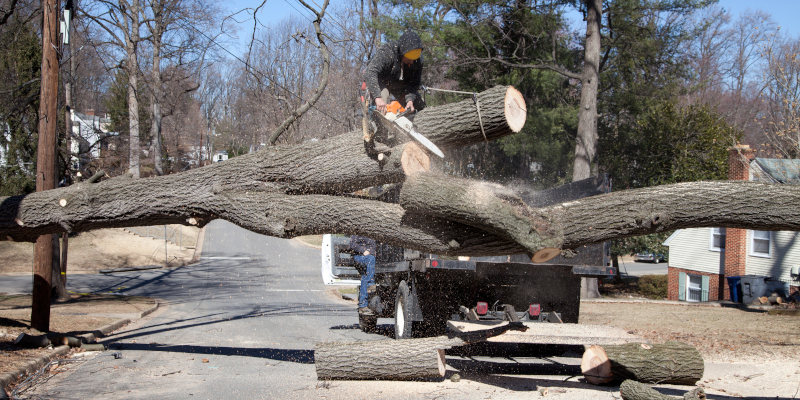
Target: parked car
{"x":649,"y":257}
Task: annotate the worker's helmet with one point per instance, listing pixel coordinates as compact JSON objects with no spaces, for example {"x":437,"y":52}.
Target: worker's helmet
{"x":410,"y":45}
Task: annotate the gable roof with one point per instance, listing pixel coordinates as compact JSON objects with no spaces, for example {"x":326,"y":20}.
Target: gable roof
{"x":778,"y":170}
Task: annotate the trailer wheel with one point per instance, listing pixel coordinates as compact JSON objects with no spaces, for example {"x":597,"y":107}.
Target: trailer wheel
{"x":367,"y":323}
{"x":402,"y":313}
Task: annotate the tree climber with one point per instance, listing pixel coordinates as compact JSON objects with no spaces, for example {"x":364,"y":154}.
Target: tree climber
{"x":395,"y":71}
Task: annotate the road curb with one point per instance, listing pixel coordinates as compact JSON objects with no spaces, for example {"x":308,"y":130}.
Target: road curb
{"x":33,"y":365}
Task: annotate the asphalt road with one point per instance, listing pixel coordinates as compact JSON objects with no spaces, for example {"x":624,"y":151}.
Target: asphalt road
{"x":631,"y":268}
{"x":243,"y":322}
{"x":240,"y":324}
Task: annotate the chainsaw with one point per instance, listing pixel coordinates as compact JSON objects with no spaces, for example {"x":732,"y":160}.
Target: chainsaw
{"x":396,"y":116}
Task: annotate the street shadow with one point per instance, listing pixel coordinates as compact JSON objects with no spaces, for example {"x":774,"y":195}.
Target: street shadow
{"x":511,"y":366}
{"x":299,"y":356}
{"x":256,"y":312}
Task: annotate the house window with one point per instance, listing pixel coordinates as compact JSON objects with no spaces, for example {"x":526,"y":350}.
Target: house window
{"x":717,"y":239}
{"x":760,"y":243}
{"x":694,"y":288}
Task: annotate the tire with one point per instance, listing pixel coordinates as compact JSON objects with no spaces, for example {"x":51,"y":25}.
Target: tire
{"x":367,"y":323}
{"x":402,"y":313}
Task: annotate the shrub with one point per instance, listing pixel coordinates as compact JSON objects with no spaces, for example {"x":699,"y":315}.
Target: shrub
{"x":653,"y":286}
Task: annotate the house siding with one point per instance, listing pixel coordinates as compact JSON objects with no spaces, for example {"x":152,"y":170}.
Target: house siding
{"x":784,"y":253}
{"x":689,"y":249}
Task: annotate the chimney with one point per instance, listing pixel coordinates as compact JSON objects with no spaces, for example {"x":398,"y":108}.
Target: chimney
{"x":90,"y":112}
{"x":739,"y":158}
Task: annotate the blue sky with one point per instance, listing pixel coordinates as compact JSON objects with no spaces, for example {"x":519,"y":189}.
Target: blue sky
{"x":784,"y":12}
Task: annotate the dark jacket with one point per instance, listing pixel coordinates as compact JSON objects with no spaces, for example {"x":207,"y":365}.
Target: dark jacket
{"x":384,"y":71}
{"x":360,"y":244}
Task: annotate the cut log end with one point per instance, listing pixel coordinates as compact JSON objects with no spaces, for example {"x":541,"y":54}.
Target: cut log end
{"x":515,"y":109}
{"x":414,"y":159}
{"x":545,"y":254}
{"x":595,"y":366}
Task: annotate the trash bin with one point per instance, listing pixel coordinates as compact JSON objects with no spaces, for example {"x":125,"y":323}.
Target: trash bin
{"x":753,"y":287}
{"x":735,"y":289}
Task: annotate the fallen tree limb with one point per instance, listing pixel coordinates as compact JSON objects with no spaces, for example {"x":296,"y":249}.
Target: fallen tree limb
{"x":286,"y":191}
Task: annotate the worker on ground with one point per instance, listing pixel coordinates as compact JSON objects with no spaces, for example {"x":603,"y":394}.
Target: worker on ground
{"x":364,"y":248}
{"x":396,"y":70}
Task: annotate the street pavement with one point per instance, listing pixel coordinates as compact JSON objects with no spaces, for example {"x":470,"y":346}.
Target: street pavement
{"x":242,"y":323}
{"x":239,"y":324}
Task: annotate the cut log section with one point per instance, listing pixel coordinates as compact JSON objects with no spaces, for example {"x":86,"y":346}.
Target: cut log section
{"x":412,"y":359}
{"x":414,"y":159}
{"x":671,"y":362}
{"x":632,"y":390}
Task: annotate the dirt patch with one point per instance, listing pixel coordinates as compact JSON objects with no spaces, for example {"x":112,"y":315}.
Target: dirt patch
{"x":722,"y":334}
{"x":78,"y":315}
{"x":114,"y":248}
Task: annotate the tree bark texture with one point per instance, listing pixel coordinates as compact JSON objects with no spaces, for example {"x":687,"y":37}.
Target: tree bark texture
{"x":632,"y":390}
{"x":407,"y":359}
{"x":286,"y":191}
{"x":132,"y":67}
{"x":586,"y":142}
{"x":411,"y":359}
{"x":671,"y":362}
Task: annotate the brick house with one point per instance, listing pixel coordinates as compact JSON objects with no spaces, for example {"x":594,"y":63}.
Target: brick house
{"x":701,"y":258}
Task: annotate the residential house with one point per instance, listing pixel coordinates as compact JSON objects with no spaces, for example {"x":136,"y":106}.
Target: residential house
{"x":220,"y":155}
{"x":89,"y":137}
{"x":700,"y":259}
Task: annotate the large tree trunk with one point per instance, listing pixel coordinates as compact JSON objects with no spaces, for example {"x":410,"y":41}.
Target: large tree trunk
{"x":132,"y":67}
{"x":586,"y":142}
{"x":286,"y":191}
{"x":156,"y":87}
{"x":671,"y":362}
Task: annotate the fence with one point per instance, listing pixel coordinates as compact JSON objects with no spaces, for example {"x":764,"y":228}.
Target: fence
{"x":178,"y":235}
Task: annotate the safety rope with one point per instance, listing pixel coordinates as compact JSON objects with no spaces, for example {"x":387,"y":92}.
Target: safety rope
{"x":474,"y":95}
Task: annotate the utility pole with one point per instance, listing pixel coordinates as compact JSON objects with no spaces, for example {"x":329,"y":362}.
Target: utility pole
{"x":46,"y":163}
{"x":61,"y":290}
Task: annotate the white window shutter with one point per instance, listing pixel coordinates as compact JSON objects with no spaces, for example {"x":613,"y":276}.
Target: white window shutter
{"x":704,"y":288}
{"x":682,"y":286}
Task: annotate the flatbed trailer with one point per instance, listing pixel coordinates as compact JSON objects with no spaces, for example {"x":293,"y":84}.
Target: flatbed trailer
{"x":422,"y":292}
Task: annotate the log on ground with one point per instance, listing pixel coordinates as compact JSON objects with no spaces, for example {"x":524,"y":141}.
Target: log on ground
{"x":632,"y":390}
{"x":671,"y":362}
{"x":412,"y":359}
